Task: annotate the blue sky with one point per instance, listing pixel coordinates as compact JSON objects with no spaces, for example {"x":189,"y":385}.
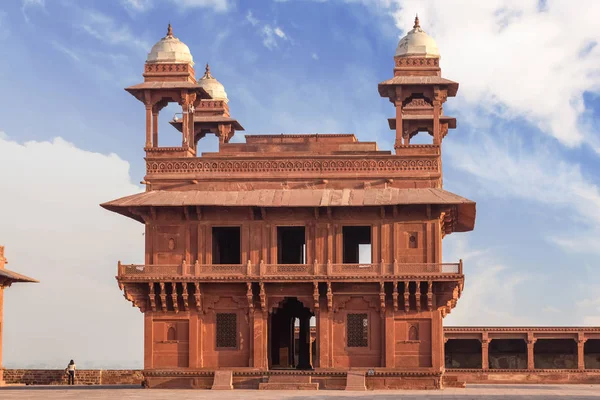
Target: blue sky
{"x":526,"y":149}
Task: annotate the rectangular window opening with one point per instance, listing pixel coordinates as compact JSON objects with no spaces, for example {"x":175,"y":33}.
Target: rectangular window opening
{"x":226,"y":245}
{"x":357,"y":330}
{"x":226,"y":330}
{"x":291,"y":245}
{"x":357,"y":245}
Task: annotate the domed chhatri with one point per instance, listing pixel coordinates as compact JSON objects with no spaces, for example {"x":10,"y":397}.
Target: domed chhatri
{"x":170,"y":50}
{"x":417,"y":43}
{"x":212,"y":86}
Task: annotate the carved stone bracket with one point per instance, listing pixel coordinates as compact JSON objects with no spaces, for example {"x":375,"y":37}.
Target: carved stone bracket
{"x":316,"y":295}
{"x":174,"y":297}
{"x":249,"y":295}
{"x":185,"y":296}
{"x":429,"y":295}
{"x":395,"y":292}
{"x":329,"y":297}
{"x":136,"y":295}
{"x":382,"y":297}
{"x":263,"y":298}
{"x":406,"y":296}
{"x":418,"y":296}
{"x":152,"y":296}
{"x":163,"y":297}
{"x":198,"y":297}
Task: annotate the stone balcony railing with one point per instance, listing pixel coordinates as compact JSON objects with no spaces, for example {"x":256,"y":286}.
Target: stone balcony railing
{"x":286,"y":270}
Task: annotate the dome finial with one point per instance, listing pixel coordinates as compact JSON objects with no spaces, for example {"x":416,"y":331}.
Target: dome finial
{"x":170,"y":30}
{"x":207,"y":74}
{"x":417,"y":25}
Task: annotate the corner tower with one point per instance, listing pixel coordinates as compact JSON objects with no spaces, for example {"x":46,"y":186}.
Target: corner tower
{"x":418,"y":91}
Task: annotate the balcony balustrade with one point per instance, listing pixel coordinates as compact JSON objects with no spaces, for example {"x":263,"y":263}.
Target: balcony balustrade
{"x":286,"y":270}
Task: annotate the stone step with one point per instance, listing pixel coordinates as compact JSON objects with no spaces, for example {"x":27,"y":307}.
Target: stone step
{"x":289,"y":382}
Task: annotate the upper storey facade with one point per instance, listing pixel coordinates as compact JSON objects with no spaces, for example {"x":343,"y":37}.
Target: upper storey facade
{"x":311,"y":170}
{"x":325,"y":183}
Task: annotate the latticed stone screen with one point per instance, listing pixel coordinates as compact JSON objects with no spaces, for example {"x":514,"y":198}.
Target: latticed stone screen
{"x":227,"y":330}
{"x":358,"y":330}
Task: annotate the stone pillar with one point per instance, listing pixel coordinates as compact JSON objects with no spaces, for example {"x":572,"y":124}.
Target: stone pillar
{"x":194,"y":340}
{"x":399,"y":124}
{"x":323,"y":337}
{"x":530,"y":355}
{"x":260,"y":330}
{"x":390,"y":339}
{"x":580,"y":352}
{"x":304,"y":343}
{"x":148,"y":340}
{"x":148,"y":125}
{"x":155,"y":127}
{"x":485,"y":342}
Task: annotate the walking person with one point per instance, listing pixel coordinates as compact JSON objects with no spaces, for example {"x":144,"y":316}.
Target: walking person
{"x":71,"y":372}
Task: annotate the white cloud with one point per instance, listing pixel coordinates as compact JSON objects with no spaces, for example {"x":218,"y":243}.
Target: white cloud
{"x":279,"y":32}
{"x":515,"y":59}
{"x":55,"y":231}
{"x":483,"y":302}
{"x":550,"y":310}
{"x":63,"y":49}
{"x":271,"y":35}
{"x":314,"y":56}
{"x":27,"y":4}
{"x":250,"y":18}
{"x":591,"y":320}
{"x":216,"y":5}
{"x":506,"y":169}
{"x":137,"y":5}
{"x":109,"y":31}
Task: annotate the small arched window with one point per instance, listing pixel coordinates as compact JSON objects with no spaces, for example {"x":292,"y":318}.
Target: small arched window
{"x":413,"y":240}
{"x":171,"y":333}
{"x":413,"y":333}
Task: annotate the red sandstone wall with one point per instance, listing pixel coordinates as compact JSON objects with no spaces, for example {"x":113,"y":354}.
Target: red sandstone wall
{"x":82,"y":377}
{"x":516,"y":376}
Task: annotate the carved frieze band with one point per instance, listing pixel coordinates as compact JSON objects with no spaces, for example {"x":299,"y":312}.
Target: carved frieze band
{"x":417,"y":62}
{"x":282,"y":165}
{"x":168,"y":68}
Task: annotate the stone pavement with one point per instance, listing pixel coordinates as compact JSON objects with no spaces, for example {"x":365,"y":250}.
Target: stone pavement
{"x":486,"y":392}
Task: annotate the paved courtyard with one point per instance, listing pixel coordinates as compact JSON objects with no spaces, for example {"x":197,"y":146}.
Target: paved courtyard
{"x":487,"y":392}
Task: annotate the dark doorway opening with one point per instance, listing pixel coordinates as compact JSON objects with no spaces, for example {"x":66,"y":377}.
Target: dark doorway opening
{"x":591,"y":351}
{"x":291,"y":245}
{"x":287,"y":351}
{"x":555,"y":354}
{"x":507,"y":354}
{"x":356,"y":244}
{"x":226,"y":245}
{"x":462,"y":353}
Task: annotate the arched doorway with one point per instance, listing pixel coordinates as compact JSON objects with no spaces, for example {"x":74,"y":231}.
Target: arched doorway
{"x":285,"y":351}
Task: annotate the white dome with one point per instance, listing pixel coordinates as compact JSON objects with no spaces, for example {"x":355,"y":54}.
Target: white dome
{"x":417,"y":43}
{"x":212,"y":86}
{"x":170,"y":50}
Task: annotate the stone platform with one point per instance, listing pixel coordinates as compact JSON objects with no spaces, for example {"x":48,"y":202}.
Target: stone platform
{"x":485,"y":392}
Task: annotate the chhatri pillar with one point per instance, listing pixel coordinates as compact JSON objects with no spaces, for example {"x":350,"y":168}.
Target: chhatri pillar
{"x":7,"y":278}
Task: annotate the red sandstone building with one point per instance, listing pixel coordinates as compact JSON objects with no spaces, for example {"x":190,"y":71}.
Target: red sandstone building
{"x":247,"y":243}
{"x":7,"y":278}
